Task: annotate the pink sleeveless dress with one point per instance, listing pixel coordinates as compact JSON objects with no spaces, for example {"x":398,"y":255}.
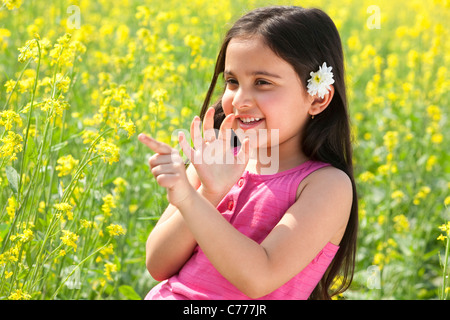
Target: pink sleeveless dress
{"x":254,"y":206}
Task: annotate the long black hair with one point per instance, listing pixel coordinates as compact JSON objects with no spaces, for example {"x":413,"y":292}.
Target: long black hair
{"x":306,"y":38}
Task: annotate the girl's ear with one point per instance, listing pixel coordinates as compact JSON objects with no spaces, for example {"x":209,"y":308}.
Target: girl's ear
{"x":319,"y":104}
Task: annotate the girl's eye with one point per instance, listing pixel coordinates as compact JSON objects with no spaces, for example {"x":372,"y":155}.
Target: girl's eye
{"x":231,"y":81}
{"x":261,"y":82}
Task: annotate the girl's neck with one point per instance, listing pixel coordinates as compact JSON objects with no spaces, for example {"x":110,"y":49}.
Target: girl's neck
{"x":276,"y":159}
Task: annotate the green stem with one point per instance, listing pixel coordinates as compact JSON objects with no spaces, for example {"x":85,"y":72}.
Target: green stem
{"x":22,"y":205}
{"x":18,"y":79}
{"x":19,"y":193}
{"x":33,"y":94}
{"x":76,"y":267}
{"x":443,"y":295}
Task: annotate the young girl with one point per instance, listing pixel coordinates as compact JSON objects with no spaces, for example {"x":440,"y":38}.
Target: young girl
{"x":231,"y":232}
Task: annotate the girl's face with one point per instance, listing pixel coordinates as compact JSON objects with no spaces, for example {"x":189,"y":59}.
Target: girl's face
{"x":264,"y":92}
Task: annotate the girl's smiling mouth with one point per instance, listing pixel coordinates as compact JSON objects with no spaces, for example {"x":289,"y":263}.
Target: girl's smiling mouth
{"x":248,"y":122}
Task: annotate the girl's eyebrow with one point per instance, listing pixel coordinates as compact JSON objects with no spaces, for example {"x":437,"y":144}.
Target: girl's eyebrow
{"x":255,"y":73}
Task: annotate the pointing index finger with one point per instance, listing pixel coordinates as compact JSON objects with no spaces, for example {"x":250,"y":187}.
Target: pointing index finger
{"x":155,"y":145}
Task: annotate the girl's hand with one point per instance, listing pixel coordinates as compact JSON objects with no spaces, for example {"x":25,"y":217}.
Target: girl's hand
{"x":169,"y":170}
{"x":217,"y":166}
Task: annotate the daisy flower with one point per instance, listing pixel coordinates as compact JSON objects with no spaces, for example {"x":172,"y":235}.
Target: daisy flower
{"x":320,"y":81}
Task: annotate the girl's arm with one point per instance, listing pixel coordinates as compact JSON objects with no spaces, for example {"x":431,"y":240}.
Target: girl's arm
{"x":319,"y":216}
{"x":170,"y":243}
{"x":171,"y":209}
{"x":168,"y":246}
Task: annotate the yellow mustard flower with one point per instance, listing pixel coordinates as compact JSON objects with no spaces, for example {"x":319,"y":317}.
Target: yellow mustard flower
{"x":105,"y":252}
{"x":379,"y":259}
{"x":437,"y":138}
{"x":133,"y":208}
{"x":423,"y":192}
{"x":12,"y":4}
{"x":8,"y":118}
{"x":60,"y":53}
{"x":390,"y":139}
{"x":89,"y":136}
{"x":9,"y":85}
{"x":447,"y":201}
{"x":110,"y":268}
{"x":19,"y":294}
{"x":194,"y":42}
{"x":86,"y":223}
{"x":11,"y":255}
{"x":128,"y":126}
{"x":12,"y":144}
{"x":63,"y":206}
{"x":401,"y":223}
{"x":441,"y":237}
{"x":434,"y":112}
{"x":62,"y":82}
{"x":445,"y":227}
{"x":66,"y":165}
{"x":397,"y":195}
{"x":381,"y":219}
{"x":26,"y":236}
{"x":55,"y":106}
{"x":108,"y":151}
{"x":108,"y":203}
{"x":115,"y":230}
{"x":366,"y":176}
{"x":11,"y":208}
{"x":69,"y":238}
{"x":120,"y":185}
{"x":29,"y":50}
{"x":431,"y":162}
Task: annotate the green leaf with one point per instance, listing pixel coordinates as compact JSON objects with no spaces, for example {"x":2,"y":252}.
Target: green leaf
{"x":3,"y":230}
{"x":129,"y":292}
{"x":59,"y":146}
{"x":13,"y":178}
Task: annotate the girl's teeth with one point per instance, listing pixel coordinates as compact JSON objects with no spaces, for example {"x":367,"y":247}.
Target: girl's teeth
{"x":246,"y":120}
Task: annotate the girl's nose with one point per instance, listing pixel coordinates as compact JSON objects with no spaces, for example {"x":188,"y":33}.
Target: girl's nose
{"x":242,"y":99}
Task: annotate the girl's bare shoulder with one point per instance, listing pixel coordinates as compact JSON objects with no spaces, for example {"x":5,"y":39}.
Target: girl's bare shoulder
{"x":328,"y":179}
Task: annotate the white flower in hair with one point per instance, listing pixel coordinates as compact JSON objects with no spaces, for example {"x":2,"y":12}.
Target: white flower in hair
{"x":320,"y":81}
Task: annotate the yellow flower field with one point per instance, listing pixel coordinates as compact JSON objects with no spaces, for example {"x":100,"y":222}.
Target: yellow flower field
{"x":79,"y":80}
